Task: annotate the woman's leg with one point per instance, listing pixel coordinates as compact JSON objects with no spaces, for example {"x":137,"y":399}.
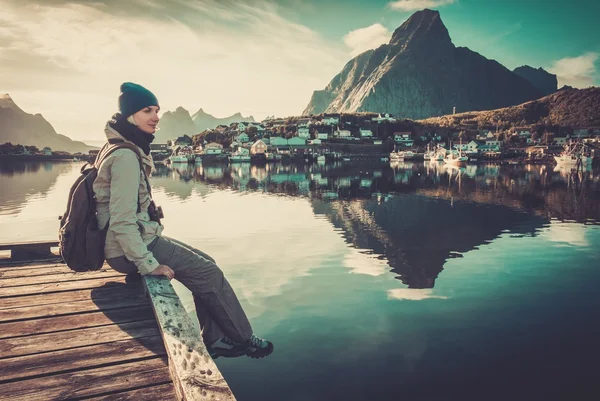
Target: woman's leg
{"x":218,"y":308}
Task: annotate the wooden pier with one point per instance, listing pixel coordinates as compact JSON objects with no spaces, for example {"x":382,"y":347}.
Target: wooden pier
{"x":97,"y":335}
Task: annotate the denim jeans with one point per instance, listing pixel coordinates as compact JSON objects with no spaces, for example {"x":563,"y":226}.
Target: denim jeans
{"x":218,"y":308}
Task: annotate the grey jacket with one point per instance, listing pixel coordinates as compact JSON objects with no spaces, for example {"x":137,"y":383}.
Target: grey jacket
{"x":118,"y":186}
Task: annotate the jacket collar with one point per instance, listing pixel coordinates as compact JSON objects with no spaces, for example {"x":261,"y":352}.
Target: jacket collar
{"x":147,"y":160}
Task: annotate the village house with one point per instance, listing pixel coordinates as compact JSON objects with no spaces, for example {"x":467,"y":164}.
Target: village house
{"x":48,"y":152}
{"x":241,"y":127}
{"x":303,"y":131}
{"x":403,"y":138}
{"x":315,"y":142}
{"x":331,"y":120}
{"x":560,"y":140}
{"x":213,"y":148}
{"x":377,"y":142}
{"x":343,"y":134}
{"x":580,"y":133}
{"x":469,"y":147}
{"x":366,"y":133}
{"x":323,"y":136}
{"x":278,"y":141}
{"x":296,"y":141}
{"x":494,"y":144}
{"x":243,"y":138}
{"x":385,"y":117}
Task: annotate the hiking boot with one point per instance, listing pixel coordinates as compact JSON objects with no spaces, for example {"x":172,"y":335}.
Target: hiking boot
{"x":258,"y":348}
{"x":226,"y":348}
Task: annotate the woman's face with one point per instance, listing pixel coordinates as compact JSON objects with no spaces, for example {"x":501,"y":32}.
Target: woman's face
{"x":147,"y":119}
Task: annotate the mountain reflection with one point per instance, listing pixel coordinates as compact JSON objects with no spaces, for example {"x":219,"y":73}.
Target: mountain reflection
{"x":415,"y":216}
{"x":21,"y":180}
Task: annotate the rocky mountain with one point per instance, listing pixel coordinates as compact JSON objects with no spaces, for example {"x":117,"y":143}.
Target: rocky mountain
{"x":204,"y":121}
{"x":566,"y":108}
{"x":177,"y":123}
{"x":174,"y":124}
{"x":420,"y":73}
{"x":19,"y":127}
{"x":545,"y":82}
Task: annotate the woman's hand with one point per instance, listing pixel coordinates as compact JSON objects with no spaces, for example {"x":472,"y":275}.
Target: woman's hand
{"x":163,"y":270}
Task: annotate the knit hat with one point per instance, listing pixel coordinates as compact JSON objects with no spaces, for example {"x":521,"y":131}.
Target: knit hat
{"x":134,"y":98}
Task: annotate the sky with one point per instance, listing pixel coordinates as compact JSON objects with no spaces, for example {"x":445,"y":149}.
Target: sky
{"x":67,"y":59}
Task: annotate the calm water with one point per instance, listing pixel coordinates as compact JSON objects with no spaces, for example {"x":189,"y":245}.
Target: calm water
{"x":379,"y":282}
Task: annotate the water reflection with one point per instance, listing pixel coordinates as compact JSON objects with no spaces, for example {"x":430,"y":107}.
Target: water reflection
{"x":22,"y":180}
{"x":413,"y":217}
{"x":549,"y":192}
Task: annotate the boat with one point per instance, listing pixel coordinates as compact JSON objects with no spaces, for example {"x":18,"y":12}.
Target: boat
{"x":574,"y":154}
{"x":455,"y":159}
{"x":403,"y":155}
{"x":430,"y":153}
{"x":179,"y":159}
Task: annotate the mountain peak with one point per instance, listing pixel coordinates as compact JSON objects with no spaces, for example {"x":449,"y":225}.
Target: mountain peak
{"x":6,"y":102}
{"x":423,"y":28}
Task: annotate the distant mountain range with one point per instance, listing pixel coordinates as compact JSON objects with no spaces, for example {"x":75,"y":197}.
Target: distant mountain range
{"x":420,"y":73}
{"x":177,"y":123}
{"x":19,"y":127}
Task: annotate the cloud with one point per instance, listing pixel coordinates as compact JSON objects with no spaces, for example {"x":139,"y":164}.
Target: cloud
{"x":67,"y":59}
{"x":579,"y":72}
{"x":411,"y":5}
{"x":363,"y":39}
{"x":413,"y":294}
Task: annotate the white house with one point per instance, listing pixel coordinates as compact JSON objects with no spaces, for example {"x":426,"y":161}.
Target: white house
{"x":323,"y":136}
{"x":469,"y":147}
{"x":343,"y":134}
{"x":385,"y":117}
{"x":213,"y":148}
{"x":366,"y":133}
{"x":331,"y":121}
{"x":493,"y":144}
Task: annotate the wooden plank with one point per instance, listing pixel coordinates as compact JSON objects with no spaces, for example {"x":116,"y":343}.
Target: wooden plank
{"x":56,"y":278}
{"x":68,"y":308}
{"x":101,"y":293}
{"x":164,"y":392}
{"x":58,"y":287}
{"x":13,"y":245}
{"x":21,"y":346}
{"x":29,"y":264}
{"x":194,"y":373}
{"x":55,"y":362}
{"x":28,"y":271}
{"x":71,"y":322}
{"x":89,"y":382}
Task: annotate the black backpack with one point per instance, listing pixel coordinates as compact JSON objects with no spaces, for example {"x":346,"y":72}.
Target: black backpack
{"x":81,"y":241}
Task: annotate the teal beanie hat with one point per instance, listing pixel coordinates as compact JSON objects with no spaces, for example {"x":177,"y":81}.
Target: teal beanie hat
{"x":134,"y":98}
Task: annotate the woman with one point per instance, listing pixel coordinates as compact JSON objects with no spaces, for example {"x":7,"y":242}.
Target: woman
{"x":134,"y":240}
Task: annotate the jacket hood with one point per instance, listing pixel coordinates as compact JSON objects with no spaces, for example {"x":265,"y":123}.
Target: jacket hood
{"x":148,"y":161}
